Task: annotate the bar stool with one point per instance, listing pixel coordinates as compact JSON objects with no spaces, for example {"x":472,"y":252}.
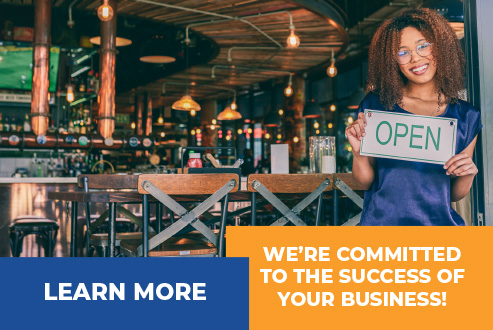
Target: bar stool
{"x":26,"y":225}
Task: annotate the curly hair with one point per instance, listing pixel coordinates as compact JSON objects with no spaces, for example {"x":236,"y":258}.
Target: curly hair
{"x":384,"y":76}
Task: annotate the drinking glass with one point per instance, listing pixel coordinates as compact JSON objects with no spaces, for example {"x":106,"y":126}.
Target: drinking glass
{"x":322,"y":154}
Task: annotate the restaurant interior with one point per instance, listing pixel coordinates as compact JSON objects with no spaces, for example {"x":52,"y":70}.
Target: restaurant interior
{"x":100,"y":95}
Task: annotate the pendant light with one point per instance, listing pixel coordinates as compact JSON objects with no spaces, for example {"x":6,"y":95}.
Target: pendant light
{"x":272,"y":120}
{"x":312,"y":110}
{"x":288,"y":91}
{"x":293,"y":40}
{"x":229,"y":114}
{"x":105,"y":12}
{"x":332,"y":70}
{"x":186,"y":103}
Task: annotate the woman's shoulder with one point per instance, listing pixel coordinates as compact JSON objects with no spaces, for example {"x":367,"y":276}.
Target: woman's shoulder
{"x":464,"y":110}
{"x":371,"y":101}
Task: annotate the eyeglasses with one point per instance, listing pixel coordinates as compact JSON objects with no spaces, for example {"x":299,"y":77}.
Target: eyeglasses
{"x":423,"y":49}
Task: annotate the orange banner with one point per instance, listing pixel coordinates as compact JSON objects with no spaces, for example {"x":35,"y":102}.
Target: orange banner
{"x":367,"y":277}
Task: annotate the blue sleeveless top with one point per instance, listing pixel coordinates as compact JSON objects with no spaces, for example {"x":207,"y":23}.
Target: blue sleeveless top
{"x":406,"y":193}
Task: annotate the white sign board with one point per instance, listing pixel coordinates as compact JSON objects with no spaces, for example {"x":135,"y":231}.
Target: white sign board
{"x":279,"y":158}
{"x":409,"y":137}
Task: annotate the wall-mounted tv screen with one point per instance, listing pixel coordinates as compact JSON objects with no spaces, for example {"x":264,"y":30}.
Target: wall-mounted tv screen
{"x":16,"y":66}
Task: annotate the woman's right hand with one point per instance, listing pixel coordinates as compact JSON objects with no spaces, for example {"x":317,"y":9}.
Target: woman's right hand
{"x":355,"y":133}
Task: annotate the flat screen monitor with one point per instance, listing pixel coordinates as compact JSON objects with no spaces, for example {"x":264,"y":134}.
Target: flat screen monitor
{"x":16,"y":66}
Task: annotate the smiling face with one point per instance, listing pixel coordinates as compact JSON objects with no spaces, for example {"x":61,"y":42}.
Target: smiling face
{"x":420,"y":69}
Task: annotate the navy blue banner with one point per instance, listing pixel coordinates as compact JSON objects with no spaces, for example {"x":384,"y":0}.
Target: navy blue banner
{"x":124,"y":293}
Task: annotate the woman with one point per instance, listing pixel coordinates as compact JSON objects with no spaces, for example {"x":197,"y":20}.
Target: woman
{"x":416,"y":65}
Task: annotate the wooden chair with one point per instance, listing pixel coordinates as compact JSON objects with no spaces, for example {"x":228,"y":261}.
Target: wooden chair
{"x":269,"y":184}
{"x":344,"y":182}
{"x":166,"y":244}
{"x":105,"y":182}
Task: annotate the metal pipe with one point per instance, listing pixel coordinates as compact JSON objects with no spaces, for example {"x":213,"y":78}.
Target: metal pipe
{"x":211,"y":14}
{"x":178,"y":83}
{"x":41,"y":59}
{"x":70,"y":21}
{"x":273,"y":48}
{"x":106,"y":120}
{"x":213,"y":72}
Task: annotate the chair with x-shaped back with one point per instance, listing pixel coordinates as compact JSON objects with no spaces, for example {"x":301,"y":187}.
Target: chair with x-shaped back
{"x":294,"y":184}
{"x":184,"y":188}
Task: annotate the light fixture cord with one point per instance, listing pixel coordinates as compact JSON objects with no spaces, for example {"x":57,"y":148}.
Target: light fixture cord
{"x":186,"y":65}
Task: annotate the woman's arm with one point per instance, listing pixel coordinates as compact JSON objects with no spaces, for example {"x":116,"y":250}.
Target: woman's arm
{"x":462,"y":170}
{"x":363,"y":171}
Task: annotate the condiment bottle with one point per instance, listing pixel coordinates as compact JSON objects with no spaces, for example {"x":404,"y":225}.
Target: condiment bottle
{"x":194,"y":160}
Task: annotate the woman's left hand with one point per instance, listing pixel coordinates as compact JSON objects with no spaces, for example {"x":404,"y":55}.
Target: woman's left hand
{"x":461,"y":165}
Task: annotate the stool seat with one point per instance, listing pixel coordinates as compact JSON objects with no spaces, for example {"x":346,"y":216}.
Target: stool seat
{"x":33,"y":221}
{"x":47,"y":229}
{"x":28,"y":216}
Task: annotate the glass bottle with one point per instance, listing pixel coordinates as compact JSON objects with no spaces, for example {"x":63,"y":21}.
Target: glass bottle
{"x":27,"y":124}
{"x":13,"y":124}
{"x":6,"y":124}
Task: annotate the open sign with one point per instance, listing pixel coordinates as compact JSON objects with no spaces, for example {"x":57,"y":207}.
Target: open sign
{"x":409,"y":137}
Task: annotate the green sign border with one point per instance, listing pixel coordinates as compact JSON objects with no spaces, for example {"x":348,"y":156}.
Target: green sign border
{"x":411,"y":158}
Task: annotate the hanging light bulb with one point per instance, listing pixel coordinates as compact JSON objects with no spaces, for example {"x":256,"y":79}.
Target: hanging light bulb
{"x":296,"y":139}
{"x":240,"y":131}
{"x":228,"y":137}
{"x":132,"y":125}
{"x":281,"y":112}
{"x":193,"y":113}
{"x":198,"y":130}
{"x":317,"y":132}
{"x":214,"y":122}
{"x":233,"y":105}
{"x":332,"y":107}
{"x":163,"y":134}
{"x":330,"y":125}
{"x":279,"y":136}
{"x":350,"y":120}
{"x":70,"y":94}
{"x":332,"y":70}
{"x":288,"y":91}
{"x":267,"y":136}
{"x":192,"y":132}
{"x":160,"y":120}
{"x":213,"y":127}
{"x":105,"y":12}
{"x":250,"y":131}
{"x":293,"y":40}
{"x":316,"y":125}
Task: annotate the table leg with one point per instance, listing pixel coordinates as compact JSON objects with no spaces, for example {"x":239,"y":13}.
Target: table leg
{"x":159,"y":217}
{"x":112,"y":233}
{"x":320,"y":205}
{"x":73,"y":234}
{"x":145,"y":230}
{"x":334,"y":197}
{"x":254,"y":209}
